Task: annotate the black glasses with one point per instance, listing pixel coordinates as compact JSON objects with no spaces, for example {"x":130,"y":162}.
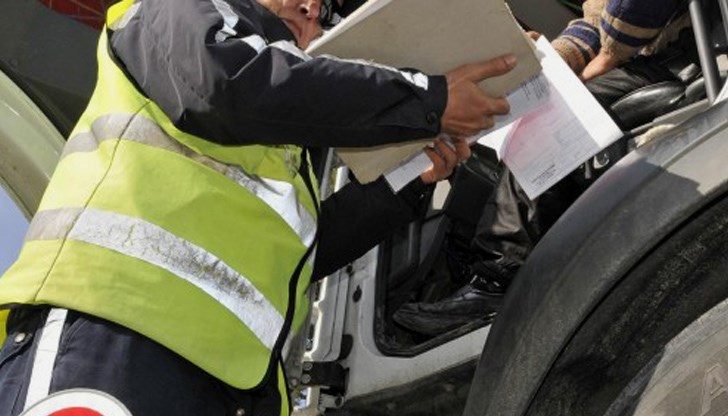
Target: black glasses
{"x":326,"y":14}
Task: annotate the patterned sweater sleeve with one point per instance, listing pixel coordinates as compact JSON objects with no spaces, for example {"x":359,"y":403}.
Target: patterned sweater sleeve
{"x":620,"y":28}
{"x":580,"y":41}
{"x":627,"y":26}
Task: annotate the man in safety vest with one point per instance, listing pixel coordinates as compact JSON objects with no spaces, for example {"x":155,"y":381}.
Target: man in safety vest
{"x":168,"y":260}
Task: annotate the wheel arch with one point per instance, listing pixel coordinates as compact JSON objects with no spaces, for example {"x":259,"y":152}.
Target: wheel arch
{"x":626,"y":213}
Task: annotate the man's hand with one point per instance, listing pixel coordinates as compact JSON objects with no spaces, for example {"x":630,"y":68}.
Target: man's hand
{"x":445,"y":158}
{"x":601,"y":63}
{"x":469,"y":110}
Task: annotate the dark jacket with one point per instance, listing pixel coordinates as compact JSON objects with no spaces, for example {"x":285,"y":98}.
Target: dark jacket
{"x":230,"y":73}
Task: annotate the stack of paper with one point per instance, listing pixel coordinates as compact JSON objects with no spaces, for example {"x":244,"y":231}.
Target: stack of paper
{"x":555,"y":125}
{"x":432,"y":36}
{"x":547,"y":144}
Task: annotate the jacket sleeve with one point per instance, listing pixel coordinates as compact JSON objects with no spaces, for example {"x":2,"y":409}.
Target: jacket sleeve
{"x":232,"y":75}
{"x":358,"y":217}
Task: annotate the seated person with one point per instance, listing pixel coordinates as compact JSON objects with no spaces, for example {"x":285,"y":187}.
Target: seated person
{"x":618,"y":47}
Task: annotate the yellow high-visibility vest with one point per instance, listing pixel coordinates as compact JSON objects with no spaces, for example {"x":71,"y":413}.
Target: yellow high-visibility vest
{"x":204,"y":248}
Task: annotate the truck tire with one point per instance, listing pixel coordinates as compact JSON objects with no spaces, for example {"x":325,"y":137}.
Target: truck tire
{"x":690,"y":376}
{"x":658,"y":343}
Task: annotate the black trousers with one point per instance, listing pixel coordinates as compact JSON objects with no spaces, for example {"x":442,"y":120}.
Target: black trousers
{"x":96,"y":354}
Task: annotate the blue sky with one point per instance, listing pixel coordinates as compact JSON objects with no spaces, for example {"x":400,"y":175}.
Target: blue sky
{"x":13,"y":226}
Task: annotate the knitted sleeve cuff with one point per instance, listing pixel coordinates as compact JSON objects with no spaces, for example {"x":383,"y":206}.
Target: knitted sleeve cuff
{"x":578,"y":44}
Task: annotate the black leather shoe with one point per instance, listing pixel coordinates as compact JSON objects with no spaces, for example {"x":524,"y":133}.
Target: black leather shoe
{"x":479,"y":300}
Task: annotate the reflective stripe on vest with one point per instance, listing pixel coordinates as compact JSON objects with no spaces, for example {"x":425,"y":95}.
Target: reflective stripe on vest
{"x":145,"y":241}
{"x":279,"y":195}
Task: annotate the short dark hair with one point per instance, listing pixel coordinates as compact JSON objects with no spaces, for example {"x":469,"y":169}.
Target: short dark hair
{"x":334,"y":10}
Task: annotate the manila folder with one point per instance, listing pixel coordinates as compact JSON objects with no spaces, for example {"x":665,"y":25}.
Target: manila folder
{"x":433,"y":36}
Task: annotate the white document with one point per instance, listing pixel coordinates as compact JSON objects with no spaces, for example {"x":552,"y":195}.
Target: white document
{"x":526,"y":98}
{"x":434,"y":37}
{"x":549,"y":143}
{"x":542,"y":145}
